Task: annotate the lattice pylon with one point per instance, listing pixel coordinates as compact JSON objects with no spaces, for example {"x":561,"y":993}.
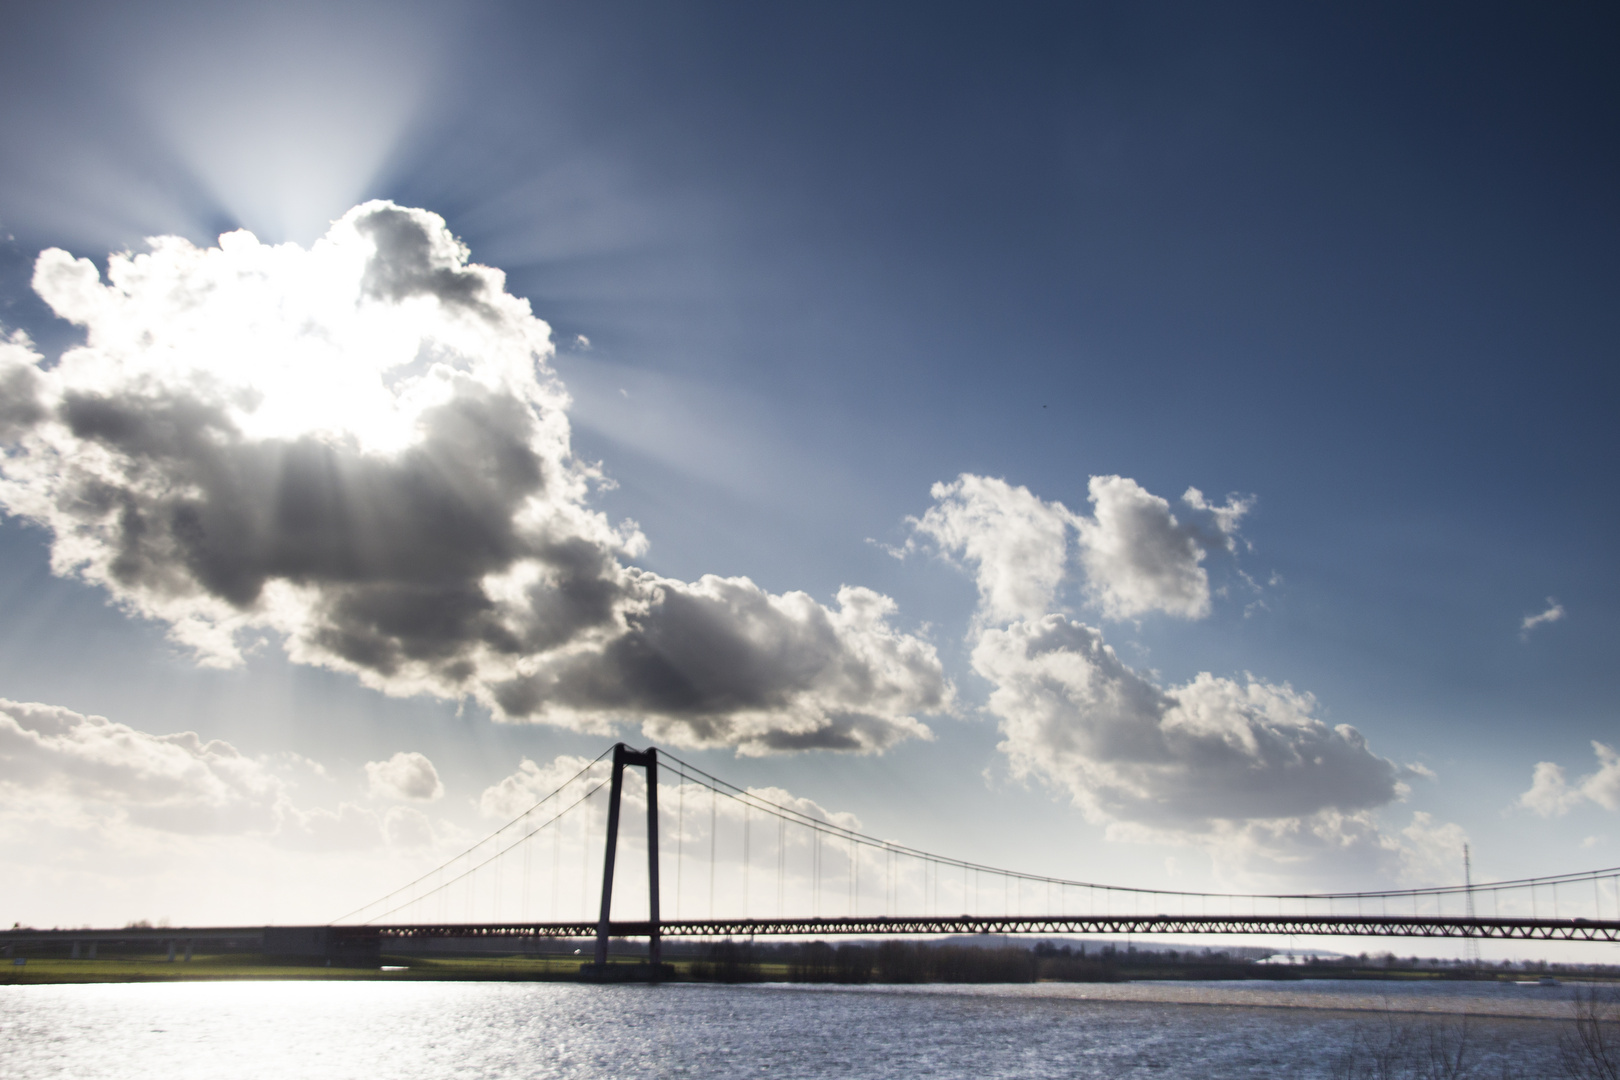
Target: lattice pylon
{"x":1471,"y":944}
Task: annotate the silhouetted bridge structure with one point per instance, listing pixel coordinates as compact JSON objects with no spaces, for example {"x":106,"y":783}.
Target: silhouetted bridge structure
{"x":825,"y":859}
{"x":360,"y":943}
{"x":900,"y":926}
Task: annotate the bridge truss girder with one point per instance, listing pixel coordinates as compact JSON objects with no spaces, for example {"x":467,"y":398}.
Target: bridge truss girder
{"x":1415,"y":926}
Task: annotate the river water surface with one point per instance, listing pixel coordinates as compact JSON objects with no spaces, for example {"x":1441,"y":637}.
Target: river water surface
{"x":1210,"y":1031}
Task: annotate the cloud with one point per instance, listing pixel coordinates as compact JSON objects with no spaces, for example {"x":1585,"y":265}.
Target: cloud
{"x":361,"y":448}
{"x":1353,"y":849}
{"x":1549,"y":792}
{"x":726,"y":663}
{"x":1431,"y":851}
{"x":406,"y":775}
{"x":90,"y":773}
{"x":1017,"y":543}
{"x":1552,"y":795}
{"x":686,"y":810}
{"x":177,"y":782}
{"x":1243,"y":767}
{"x":102,"y":822}
{"x":1180,"y":758}
{"x":1137,"y":556}
{"x":1554,"y":612}
{"x":519,"y":791}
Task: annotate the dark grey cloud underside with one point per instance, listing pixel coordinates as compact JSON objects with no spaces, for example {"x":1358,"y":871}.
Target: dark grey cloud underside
{"x":396,"y":549}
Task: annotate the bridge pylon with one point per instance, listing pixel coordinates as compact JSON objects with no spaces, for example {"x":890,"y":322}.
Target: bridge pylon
{"x":647,"y":759}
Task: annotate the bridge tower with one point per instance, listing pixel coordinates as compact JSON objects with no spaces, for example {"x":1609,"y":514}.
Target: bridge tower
{"x":647,"y":759}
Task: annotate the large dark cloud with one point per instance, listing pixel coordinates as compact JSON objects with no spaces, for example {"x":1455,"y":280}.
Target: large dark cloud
{"x":362,"y":448}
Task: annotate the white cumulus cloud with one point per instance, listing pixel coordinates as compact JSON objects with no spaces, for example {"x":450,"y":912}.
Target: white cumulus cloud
{"x":1178,"y":758}
{"x":1016,"y":542}
{"x":1552,"y":794}
{"x":1553,"y":612}
{"x":361,"y":448}
{"x":1244,"y":766}
{"x":530,"y":782}
{"x":517,"y":792}
{"x":1136,"y":554}
{"x":1140,"y":557}
{"x":177,"y":782}
{"x":92,"y":775}
{"x":406,"y":775}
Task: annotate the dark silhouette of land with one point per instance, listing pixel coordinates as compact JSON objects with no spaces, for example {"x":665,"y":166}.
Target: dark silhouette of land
{"x":895,"y":961}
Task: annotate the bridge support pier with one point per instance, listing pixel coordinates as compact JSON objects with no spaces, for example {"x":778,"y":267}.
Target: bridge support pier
{"x":647,"y":759}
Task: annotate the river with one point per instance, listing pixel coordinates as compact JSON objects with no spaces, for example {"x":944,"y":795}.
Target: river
{"x":406,"y":1031}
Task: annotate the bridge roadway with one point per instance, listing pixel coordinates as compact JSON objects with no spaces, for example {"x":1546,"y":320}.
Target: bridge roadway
{"x":293,"y":938}
{"x":1298,"y":925}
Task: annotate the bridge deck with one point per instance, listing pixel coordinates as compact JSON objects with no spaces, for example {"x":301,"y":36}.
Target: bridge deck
{"x":1410,"y":926}
{"x":1299,"y":925}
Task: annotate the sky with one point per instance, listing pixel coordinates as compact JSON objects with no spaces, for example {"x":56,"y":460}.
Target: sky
{"x":1144,"y":443}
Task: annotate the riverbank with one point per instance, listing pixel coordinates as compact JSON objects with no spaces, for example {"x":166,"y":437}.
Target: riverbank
{"x":1111,"y":982}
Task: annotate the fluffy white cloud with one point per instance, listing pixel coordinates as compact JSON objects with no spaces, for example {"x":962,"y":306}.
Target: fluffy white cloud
{"x":1551,"y":793}
{"x":406,"y":775}
{"x":1553,"y":612}
{"x":514,"y":794}
{"x":89,"y":773}
{"x":101,"y":823}
{"x":361,"y":448}
{"x":1016,"y":542}
{"x":531,"y":782}
{"x":1352,"y":849}
{"x":1181,"y":758}
{"x":1431,"y":851}
{"x":1137,"y":555}
{"x":686,"y":809}
{"x":1242,"y":767}
{"x":176,"y":782}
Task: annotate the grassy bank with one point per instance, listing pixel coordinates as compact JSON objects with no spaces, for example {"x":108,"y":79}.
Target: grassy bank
{"x":252,"y":967}
{"x":890,"y":962}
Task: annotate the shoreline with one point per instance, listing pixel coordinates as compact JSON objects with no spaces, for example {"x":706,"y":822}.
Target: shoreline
{"x":1396,"y":992}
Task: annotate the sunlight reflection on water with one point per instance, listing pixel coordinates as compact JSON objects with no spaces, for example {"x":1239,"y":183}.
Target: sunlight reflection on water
{"x":534,"y":1030}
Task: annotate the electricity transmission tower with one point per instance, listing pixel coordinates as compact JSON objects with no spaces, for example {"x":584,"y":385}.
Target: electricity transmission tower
{"x":1471,"y":945}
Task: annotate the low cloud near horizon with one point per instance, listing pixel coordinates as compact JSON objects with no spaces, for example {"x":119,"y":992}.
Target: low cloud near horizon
{"x":64,"y":769}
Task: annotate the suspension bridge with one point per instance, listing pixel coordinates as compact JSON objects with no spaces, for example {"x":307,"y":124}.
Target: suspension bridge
{"x":721,"y":861}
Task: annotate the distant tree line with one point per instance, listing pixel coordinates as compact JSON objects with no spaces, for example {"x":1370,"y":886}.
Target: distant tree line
{"x":912,"y":961}
{"x":899,"y":961}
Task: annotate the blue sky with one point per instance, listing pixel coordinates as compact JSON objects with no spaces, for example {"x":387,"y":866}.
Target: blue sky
{"x":1352,"y":267}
